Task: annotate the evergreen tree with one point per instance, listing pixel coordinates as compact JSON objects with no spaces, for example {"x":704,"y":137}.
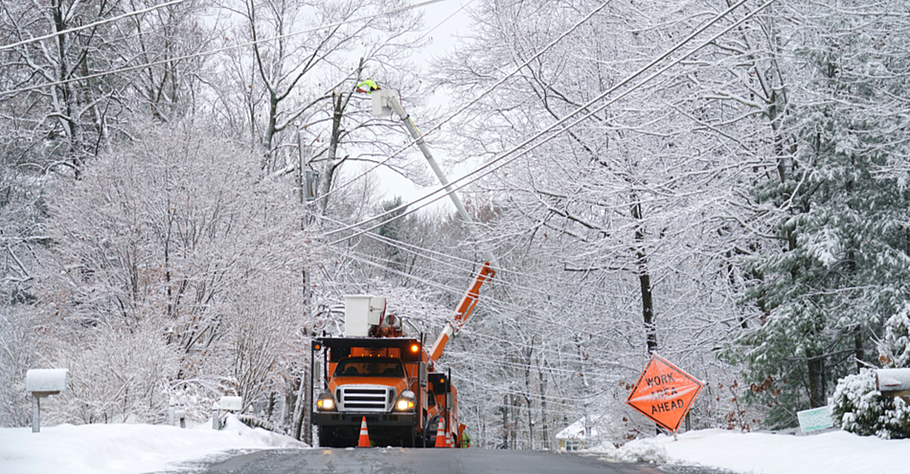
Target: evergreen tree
{"x":836,"y":269}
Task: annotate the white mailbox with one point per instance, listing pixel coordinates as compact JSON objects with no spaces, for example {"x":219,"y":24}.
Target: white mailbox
{"x":225,"y":404}
{"x":231,"y":403}
{"x":46,"y":381}
{"x":41,"y":383}
{"x":893,"y":382}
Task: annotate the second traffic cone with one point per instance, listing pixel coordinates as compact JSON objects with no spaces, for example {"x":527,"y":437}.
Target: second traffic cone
{"x":364,"y":440}
{"x":441,"y":441}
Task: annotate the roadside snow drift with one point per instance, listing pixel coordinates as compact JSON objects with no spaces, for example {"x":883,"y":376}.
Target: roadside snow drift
{"x":134,"y":449}
{"x":123,"y":448}
{"x":765,"y":453}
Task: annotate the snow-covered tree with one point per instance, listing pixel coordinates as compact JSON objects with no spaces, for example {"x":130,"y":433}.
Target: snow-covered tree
{"x":617,"y":234}
{"x":293,"y":91}
{"x":161,"y":238}
{"x":837,"y":266}
{"x":117,"y":375}
{"x":894,"y":347}
{"x":266,"y":330}
{"x":19,"y":352}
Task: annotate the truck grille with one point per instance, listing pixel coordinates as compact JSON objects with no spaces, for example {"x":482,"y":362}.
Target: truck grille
{"x":378,"y":398}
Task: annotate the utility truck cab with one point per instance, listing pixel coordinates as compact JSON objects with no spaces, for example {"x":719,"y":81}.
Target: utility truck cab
{"x":374,"y":372}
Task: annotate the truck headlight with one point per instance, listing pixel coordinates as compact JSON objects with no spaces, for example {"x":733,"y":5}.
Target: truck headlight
{"x":407,"y":401}
{"x":404,"y":405}
{"x":325,"y":402}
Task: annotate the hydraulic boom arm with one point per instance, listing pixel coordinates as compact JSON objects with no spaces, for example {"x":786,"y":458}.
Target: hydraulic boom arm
{"x":384,"y":102}
{"x":465,"y":308}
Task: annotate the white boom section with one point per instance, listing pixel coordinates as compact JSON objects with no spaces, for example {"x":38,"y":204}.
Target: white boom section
{"x":385,"y":101}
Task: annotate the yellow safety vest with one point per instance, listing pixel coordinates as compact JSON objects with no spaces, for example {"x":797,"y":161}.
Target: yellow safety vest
{"x":368,"y":85}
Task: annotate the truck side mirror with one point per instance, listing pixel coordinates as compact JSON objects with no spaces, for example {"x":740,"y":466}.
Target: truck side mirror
{"x":449,"y":401}
{"x":422,"y":374}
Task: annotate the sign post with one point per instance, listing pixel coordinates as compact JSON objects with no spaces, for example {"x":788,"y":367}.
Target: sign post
{"x":664,"y":393}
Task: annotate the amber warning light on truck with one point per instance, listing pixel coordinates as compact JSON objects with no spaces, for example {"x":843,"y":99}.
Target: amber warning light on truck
{"x":664,"y":393}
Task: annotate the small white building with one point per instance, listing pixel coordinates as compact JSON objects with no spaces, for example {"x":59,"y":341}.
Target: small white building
{"x":575,"y":437}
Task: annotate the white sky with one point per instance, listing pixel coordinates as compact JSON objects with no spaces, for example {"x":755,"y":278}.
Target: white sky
{"x":443,"y":22}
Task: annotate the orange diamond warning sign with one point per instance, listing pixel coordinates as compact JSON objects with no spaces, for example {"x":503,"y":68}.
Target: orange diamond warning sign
{"x":664,"y":393}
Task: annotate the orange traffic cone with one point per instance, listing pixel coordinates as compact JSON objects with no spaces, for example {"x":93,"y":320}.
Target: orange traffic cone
{"x":449,"y":440}
{"x":441,"y":439}
{"x":364,"y":440}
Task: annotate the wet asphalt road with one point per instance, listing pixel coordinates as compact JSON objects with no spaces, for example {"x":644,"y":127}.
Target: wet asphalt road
{"x":425,"y":461}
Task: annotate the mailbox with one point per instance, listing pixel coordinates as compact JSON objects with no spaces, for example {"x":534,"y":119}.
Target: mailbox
{"x":46,"y":381}
{"x":41,"y":383}
{"x":231,"y":403}
{"x":893,"y":382}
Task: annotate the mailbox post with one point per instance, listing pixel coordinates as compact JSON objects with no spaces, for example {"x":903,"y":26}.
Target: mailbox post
{"x":228,"y":404}
{"x":176,"y":411}
{"x":41,"y":383}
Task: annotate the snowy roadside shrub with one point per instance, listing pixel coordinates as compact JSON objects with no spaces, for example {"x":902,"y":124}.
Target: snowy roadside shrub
{"x":641,"y":450}
{"x":265,"y":324}
{"x":860,"y":408}
{"x":118,"y":376}
{"x":17,"y":355}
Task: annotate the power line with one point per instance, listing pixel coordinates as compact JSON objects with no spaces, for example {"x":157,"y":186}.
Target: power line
{"x":446,"y":260}
{"x":90,"y":25}
{"x":215,"y":51}
{"x":584,"y":107}
{"x":363,"y":258}
{"x":444,"y":21}
{"x":490,"y":168}
{"x":476,"y":99}
{"x":366,"y":258}
{"x":416,"y":250}
{"x":564,"y":119}
{"x":526,"y":311}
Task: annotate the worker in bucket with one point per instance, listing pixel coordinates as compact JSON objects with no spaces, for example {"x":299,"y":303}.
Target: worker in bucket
{"x":368,"y":86}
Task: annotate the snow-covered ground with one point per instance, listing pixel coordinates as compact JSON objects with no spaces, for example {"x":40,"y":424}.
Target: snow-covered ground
{"x":125,"y":448}
{"x":835,"y":452}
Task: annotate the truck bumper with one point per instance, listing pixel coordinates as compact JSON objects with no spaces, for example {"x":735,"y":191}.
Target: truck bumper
{"x":353,"y":419}
{"x":339,"y":430}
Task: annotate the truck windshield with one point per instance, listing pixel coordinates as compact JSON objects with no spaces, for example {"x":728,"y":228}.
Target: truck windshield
{"x":371,"y":367}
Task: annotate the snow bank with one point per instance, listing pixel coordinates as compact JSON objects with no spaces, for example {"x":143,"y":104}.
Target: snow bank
{"x":134,"y":448}
{"x":636,"y":451}
{"x":124,"y":448}
{"x":765,"y":453}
